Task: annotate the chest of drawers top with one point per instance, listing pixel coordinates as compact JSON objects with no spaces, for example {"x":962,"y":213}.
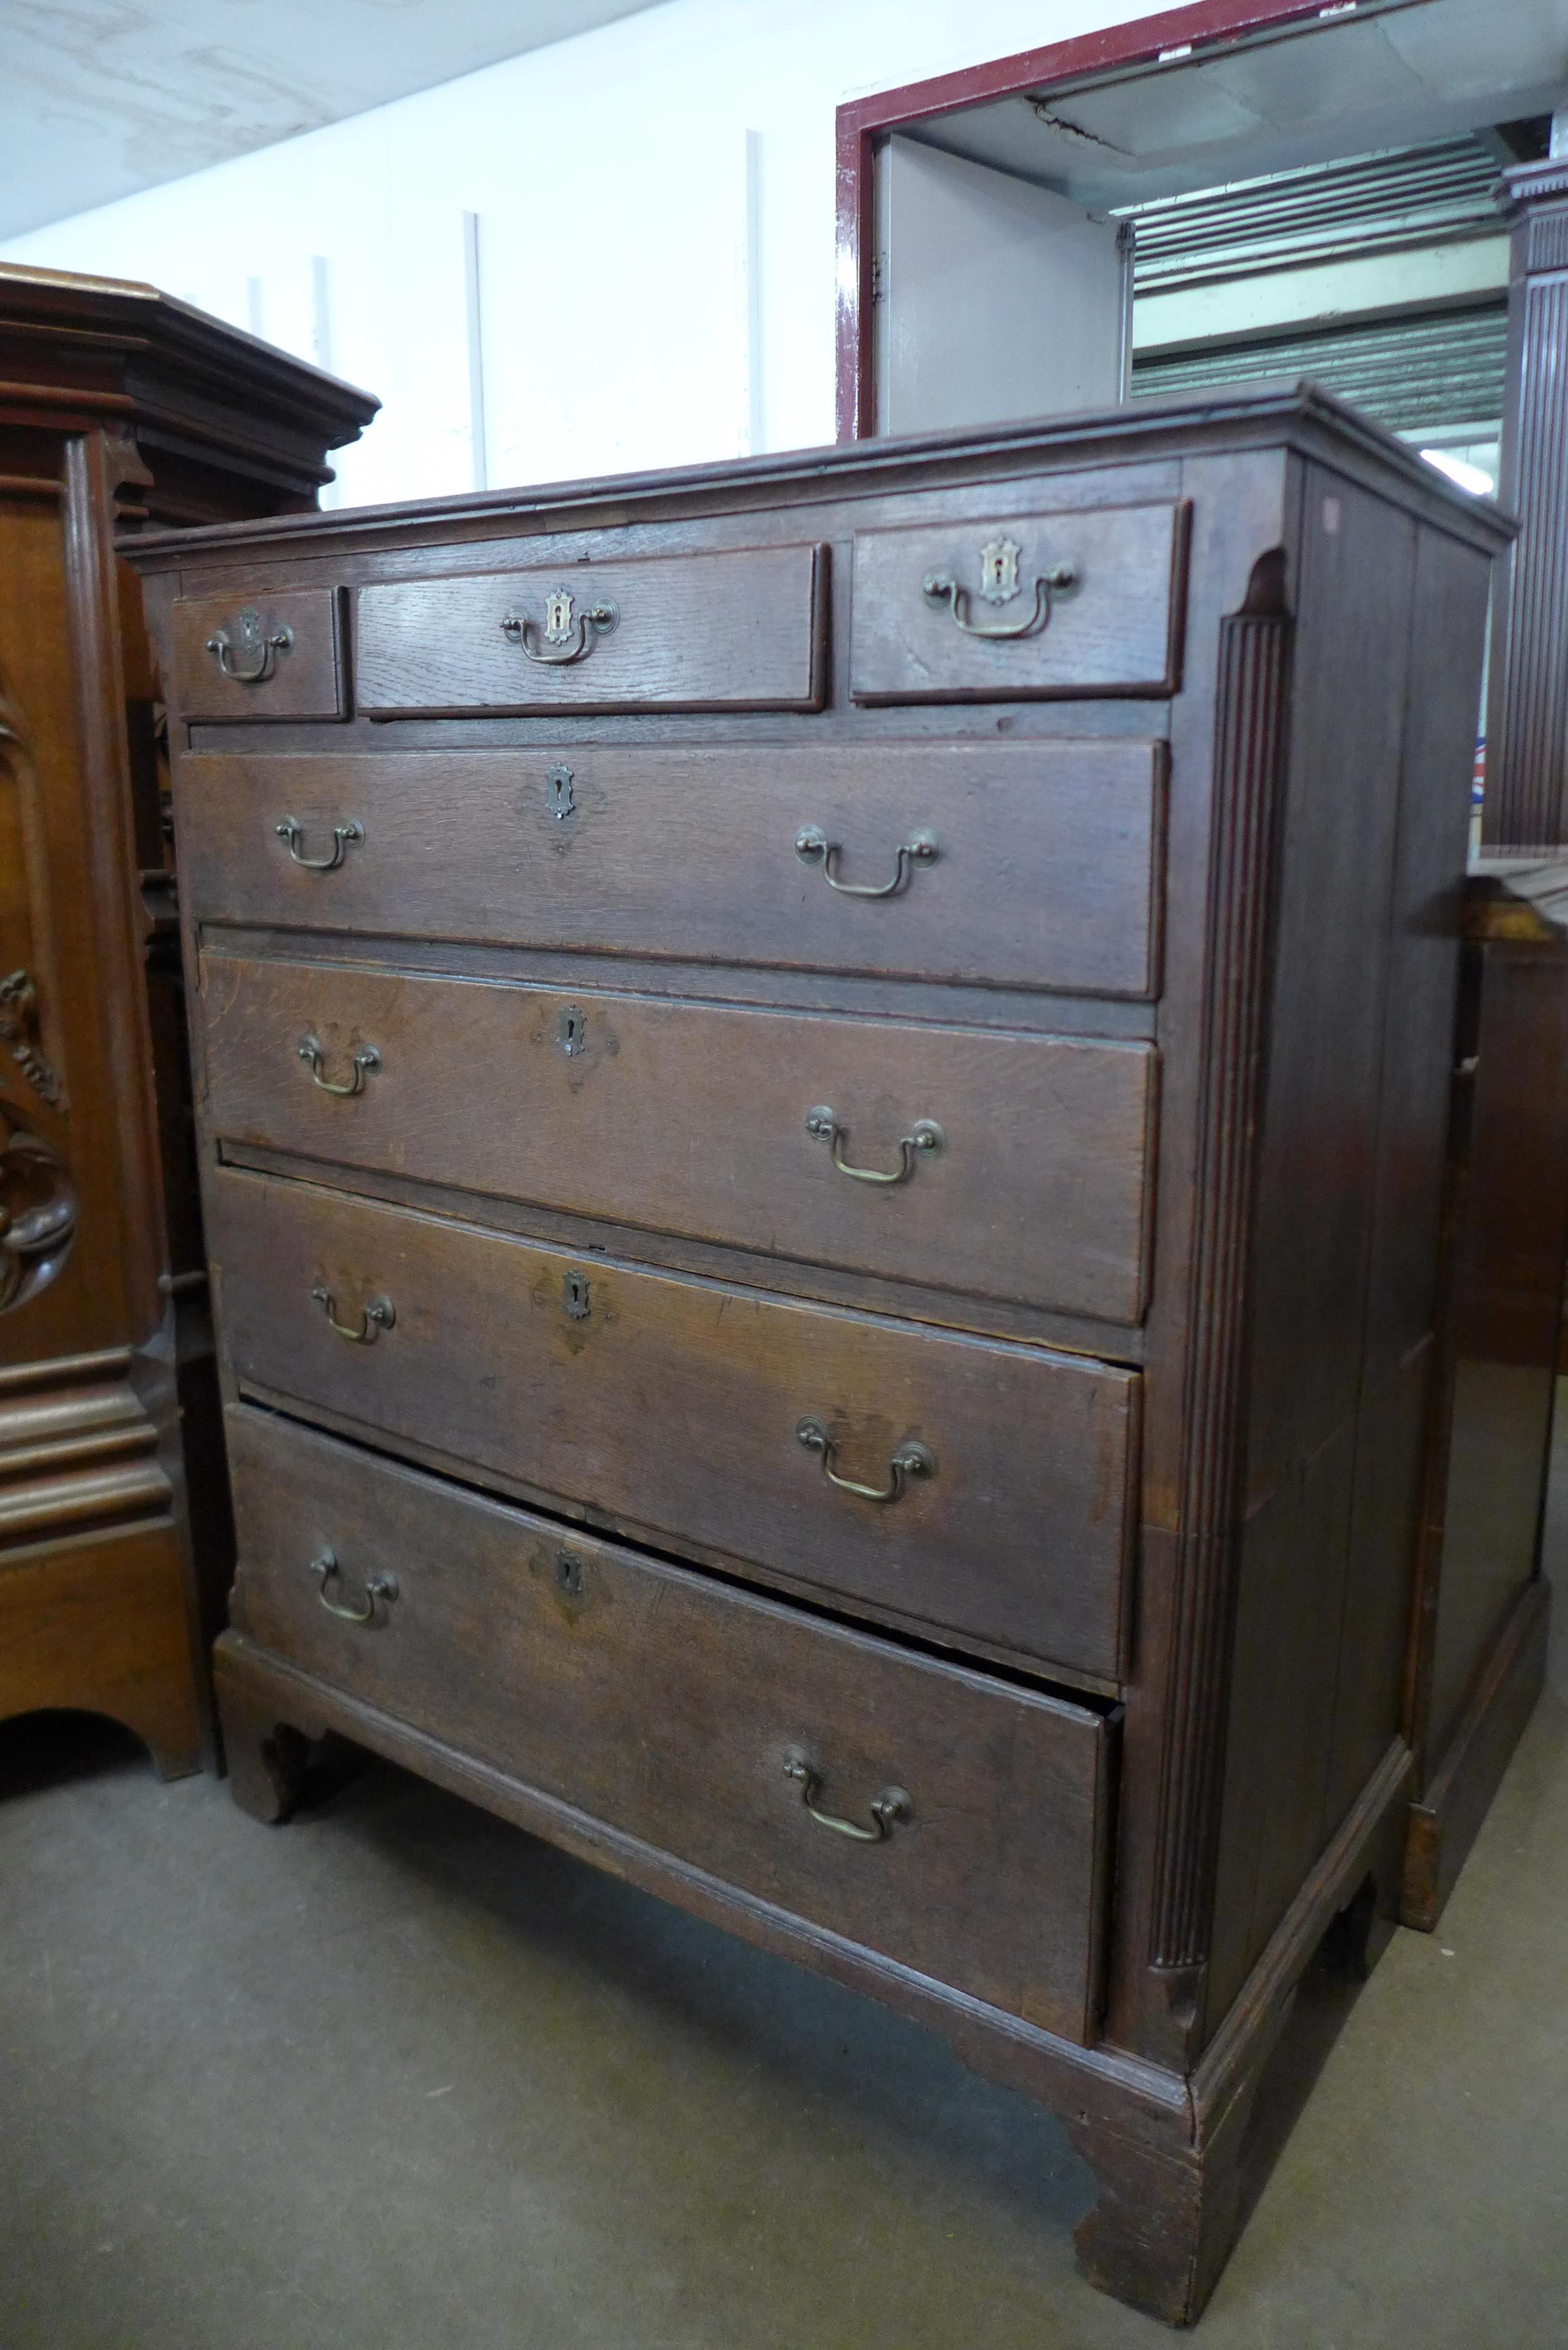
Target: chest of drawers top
{"x":934,"y":578}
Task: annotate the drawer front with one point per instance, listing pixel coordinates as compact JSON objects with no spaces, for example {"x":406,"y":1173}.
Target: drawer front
{"x":1047,"y":870}
{"x":726,"y":631}
{"x":968,"y":611}
{"x":668,"y":1707}
{"x":256,"y":656}
{"x":672,"y":1405}
{"x":1021,"y":1160}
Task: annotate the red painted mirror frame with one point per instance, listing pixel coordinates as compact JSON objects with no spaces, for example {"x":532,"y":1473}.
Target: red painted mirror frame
{"x":1216,"y":24}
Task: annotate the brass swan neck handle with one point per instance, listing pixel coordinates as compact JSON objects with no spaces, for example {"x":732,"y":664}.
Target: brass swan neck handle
{"x":812,"y":847}
{"x":886,"y":1810}
{"x":365,"y":1061}
{"x":326,"y":1569}
{"x":924,"y":1139}
{"x":912,"y":1459}
{"x":344,"y":836}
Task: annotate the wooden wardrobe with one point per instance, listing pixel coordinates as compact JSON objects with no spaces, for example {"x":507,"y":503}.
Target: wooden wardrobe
{"x":116,"y":405}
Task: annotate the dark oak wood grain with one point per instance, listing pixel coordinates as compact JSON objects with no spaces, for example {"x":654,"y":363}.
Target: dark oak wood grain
{"x":625,"y":1108}
{"x":1047,"y":872}
{"x":1115,"y":627}
{"x":698,"y":632}
{"x":668,"y":1706}
{"x":672,"y":1405}
{"x":300,"y":678}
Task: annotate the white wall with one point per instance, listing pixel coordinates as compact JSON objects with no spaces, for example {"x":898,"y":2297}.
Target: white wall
{"x":620,"y":326}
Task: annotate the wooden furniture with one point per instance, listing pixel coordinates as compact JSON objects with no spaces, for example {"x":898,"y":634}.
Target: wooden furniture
{"x":115,"y":404}
{"x":822,"y":1090}
{"x":1478,"y":1657}
{"x":1526,"y":800}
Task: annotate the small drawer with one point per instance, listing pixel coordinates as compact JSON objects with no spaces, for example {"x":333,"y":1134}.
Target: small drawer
{"x":1022,"y":1162}
{"x":696,"y":1718}
{"x":1028,"y":864}
{"x":721,"y":1421}
{"x":1021,"y":607}
{"x":741,"y":630}
{"x":254,"y":656}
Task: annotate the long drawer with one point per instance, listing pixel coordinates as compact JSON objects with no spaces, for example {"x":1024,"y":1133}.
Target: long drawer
{"x":687,"y":1714}
{"x":1019,"y":864}
{"x":1020,"y":1159}
{"x":708,"y":1417}
{"x":740,"y":628}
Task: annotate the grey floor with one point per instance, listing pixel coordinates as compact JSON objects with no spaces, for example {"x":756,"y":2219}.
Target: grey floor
{"x":396,"y":2077}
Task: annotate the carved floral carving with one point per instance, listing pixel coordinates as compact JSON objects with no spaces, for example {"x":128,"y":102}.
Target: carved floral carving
{"x":37,"y":1209}
{"x":33,"y":984}
{"x":19,"y":1033}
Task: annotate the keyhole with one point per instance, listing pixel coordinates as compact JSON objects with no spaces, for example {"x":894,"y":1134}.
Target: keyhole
{"x":558,"y":793}
{"x":572,"y":1030}
{"x":570,"y":1575}
{"x":575,"y":1296}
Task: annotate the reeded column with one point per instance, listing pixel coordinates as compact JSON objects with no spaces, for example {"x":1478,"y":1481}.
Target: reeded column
{"x":1527,"y":718}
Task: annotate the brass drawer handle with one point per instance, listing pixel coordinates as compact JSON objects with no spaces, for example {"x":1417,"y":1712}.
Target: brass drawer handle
{"x":924,"y":1136}
{"x":562,"y":639}
{"x":324,"y":1566}
{"x":912,"y":1459}
{"x":887,"y":1809}
{"x":248,"y":655}
{"x":380,"y":1315}
{"x":343,"y":834}
{"x":366,"y":1059}
{"x":811,"y":842}
{"x":941,"y":588}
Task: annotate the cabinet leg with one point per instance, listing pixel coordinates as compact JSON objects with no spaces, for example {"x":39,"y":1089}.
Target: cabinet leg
{"x":1164,"y":2222}
{"x":175,"y":1762}
{"x":266,"y":1758}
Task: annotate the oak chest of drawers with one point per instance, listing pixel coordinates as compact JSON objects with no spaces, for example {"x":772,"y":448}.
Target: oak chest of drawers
{"x":823,"y":1088}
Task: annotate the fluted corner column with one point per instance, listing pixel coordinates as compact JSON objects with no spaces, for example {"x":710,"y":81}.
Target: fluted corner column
{"x":1527,"y":715}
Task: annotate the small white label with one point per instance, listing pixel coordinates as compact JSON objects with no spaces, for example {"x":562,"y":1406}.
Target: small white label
{"x":1184,"y":50}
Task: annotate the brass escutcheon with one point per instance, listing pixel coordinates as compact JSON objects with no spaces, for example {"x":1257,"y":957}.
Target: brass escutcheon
{"x":560,"y":639}
{"x":941,"y":588}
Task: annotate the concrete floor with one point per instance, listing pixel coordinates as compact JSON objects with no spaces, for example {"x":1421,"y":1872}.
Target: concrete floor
{"x":396,"y":2077}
